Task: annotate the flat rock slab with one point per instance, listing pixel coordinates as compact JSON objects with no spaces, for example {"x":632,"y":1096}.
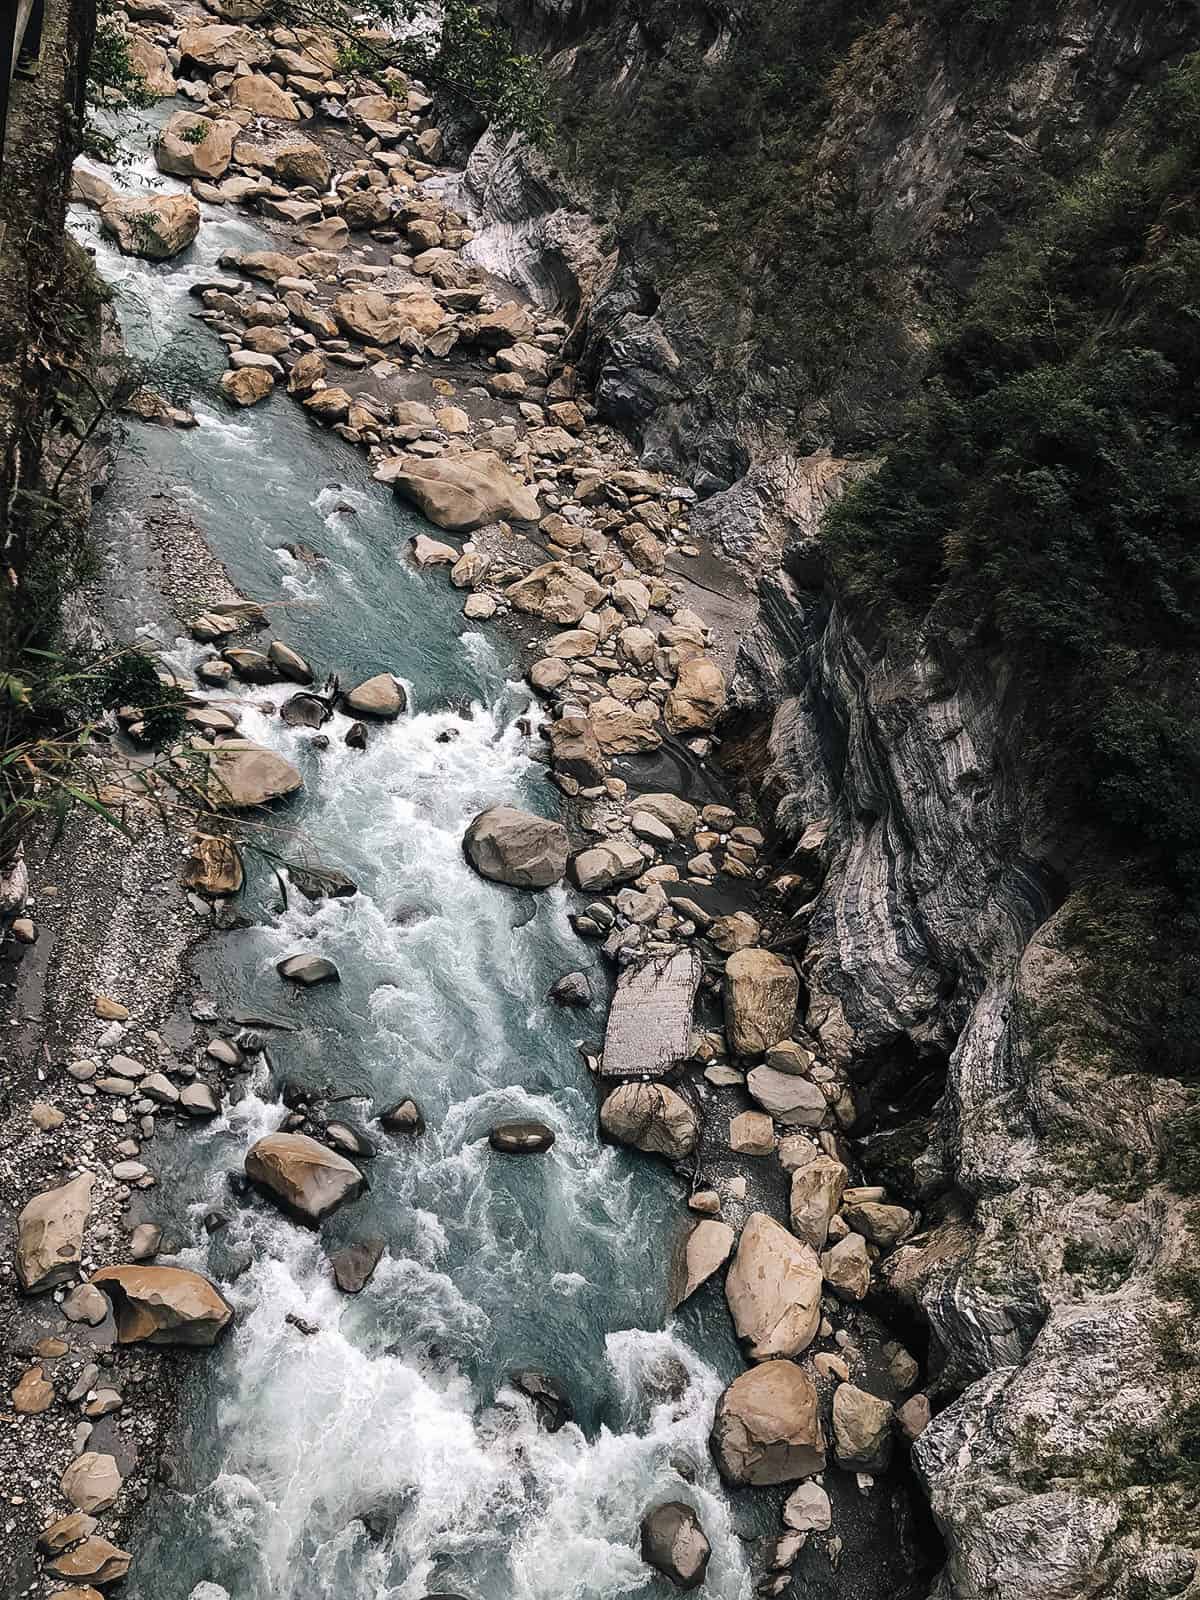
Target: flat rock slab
{"x":650,"y":1023}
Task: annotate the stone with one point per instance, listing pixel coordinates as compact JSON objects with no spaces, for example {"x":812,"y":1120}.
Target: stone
{"x":155,"y":227}
{"x":381,"y":319}
{"x":65,"y":1532}
{"x":246,"y":386}
{"x":774,"y":1290}
{"x":156,"y":1086}
{"x":257,"y":93}
{"x":604,"y":865}
{"x":50,"y":1235}
{"x":734,"y":932}
{"x":85,"y":1303}
{"x":404,"y":1117}
{"x":92,"y":1482}
{"x":217,"y":47}
{"x":767,"y":1427}
{"x":287,"y":663}
{"x":303,"y":165}
{"x":815,"y":1194}
{"x":517,"y":848}
{"x":181,"y":150}
{"x":354,"y":1264}
{"x":306,"y":1179}
{"x":705,"y":1252}
{"x":45,"y":1117}
{"x":576,"y":751}
{"x":557,"y":592}
{"x":572,"y":989}
{"x":95,"y":1559}
{"x":674,"y":1543}
{"x":144,"y":1241}
{"x":622,"y":729}
{"x":462,"y":492}
{"x":698,"y":697}
{"x":807,"y":1509}
{"x":308,"y":970}
{"x":788,"y":1056}
{"x":550,"y":1399}
{"x":760,"y":995}
{"x":882,"y":1225}
{"x":751,"y":1133}
{"x":650,"y":1020}
{"x":429,"y":552}
{"x":214,"y":865}
{"x":678,"y":815}
{"x":509,"y":324}
{"x":33,"y":1393}
{"x":199,"y":1100}
{"x":862,"y":1429}
{"x":793,"y":1101}
{"x":913,"y":1417}
{"x":651,"y":1117}
{"x":164,"y":1305}
{"x":847,"y":1267}
{"x":382,"y":697}
{"x":521,"y":1138}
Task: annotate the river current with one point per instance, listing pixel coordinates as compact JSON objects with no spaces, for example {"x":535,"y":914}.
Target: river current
{"x":384,"y":1456}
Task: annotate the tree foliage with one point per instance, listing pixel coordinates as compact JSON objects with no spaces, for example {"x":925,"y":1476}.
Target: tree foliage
{"x":1043,"y":501}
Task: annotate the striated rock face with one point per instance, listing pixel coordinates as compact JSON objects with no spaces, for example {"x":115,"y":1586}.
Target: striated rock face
{"x":904,"y":801}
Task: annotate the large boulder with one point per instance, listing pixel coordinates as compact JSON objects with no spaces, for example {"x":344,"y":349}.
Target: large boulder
{"x":601,"y":866}
{"x":557,"y":592}
{"x":92,"y":1482}
{"x":164,"y":1305}
{"x":649,"y":1025}
{"x":382,"y":696}
{"x":705,"y":1251}
{"x":620,"y":729}
{"x":191,"y":146}
{"x":381,"y":319}
{"x":698,"y":697}
{"x":862,"y":1429}
{"x":154,"y":226}
{"x":306,"y":1179}
{"x":246,"y":386}
{"x":674,"y":1543}
{"x":238,"y":775}
{"x":761,"y":991}
{"x":516,"y":847}
{"x":774,"y":1290}
{"x":678,"y":815}
{"x":50,"y":1234}
{"x":767,"y":1427}
{"x":464,"y":492}
{"x":816,"y":1193}
{"x":152,"y":64}
{"x":651,"y":1117}
{"x":795,"y":1102}
{"x":257,"y":93}
{"x":216,"y":47}
{"x":303,"y":165}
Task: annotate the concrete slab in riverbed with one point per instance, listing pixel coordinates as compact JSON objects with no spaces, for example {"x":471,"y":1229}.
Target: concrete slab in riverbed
{"x":650,"y":1023}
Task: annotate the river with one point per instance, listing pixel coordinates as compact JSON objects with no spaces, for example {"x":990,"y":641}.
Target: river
{"x":397,"y":1409}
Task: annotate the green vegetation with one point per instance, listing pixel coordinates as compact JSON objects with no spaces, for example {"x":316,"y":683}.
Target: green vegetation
{"x":1042,"y":502}
{"x":1180,"y":1160}
{"x":112,"y":78}
{"x":711,"y":160}
{"x":468,"y":57}
{"x":1099,"y":1271}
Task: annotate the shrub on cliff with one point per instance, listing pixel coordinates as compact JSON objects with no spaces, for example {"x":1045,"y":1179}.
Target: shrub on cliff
{"x":1043,"y":501}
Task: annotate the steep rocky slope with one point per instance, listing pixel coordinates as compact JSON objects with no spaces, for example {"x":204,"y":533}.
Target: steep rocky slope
{"x":990,"y":965}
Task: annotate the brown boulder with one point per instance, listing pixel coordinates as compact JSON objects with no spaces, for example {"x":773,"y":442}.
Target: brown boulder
{"x":698,"y":697}
{"x":464,"y":492}
{"x":651,"y":1117}
{"x":557,"y":592}
{"x":760,"y":994}
{"x":217,"y":47}
{"x":50,"y":1234}
{"x":164,"y":1305}
{"x":191,"y":146}
{"x":257,"y":93}
{"x":516,"y":847}
{"x":767,"y":1427}
{"x":774,"y":1290}
{"x":381,"y":319}
{"x":306,"y":1179}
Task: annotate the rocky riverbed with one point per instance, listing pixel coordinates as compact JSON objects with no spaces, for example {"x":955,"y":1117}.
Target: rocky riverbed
{"x":363,"y":309}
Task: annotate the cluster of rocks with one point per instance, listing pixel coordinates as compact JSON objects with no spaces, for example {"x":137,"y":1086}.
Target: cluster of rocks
{"x":79,"y":1374}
